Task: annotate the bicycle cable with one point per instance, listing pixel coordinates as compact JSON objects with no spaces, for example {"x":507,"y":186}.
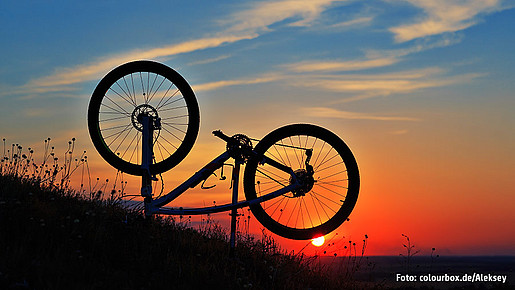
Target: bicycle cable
{"x":154,"y":159}
{"x":284,"y":145}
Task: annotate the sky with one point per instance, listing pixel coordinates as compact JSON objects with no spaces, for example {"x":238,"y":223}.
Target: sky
{"x":421,"y":91}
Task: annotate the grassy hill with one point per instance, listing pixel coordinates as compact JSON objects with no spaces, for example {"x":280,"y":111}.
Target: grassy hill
{"x":53,"y":237}
{"x":58,"y":239}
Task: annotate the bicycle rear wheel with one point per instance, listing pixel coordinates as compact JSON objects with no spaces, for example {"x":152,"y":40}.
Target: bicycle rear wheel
{"x":329,"y":191}
{"x":143,"y":87}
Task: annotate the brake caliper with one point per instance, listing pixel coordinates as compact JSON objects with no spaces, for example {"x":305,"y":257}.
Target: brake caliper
{"x":304,"y":177}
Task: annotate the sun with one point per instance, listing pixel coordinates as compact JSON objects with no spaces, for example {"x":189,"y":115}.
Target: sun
{"x":318,"y":241}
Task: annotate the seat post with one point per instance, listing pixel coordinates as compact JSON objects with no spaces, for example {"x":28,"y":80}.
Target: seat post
{"x":234,"y":211}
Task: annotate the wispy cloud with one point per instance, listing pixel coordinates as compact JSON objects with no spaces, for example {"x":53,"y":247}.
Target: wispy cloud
{"x":355,"y":86}
{"x":210,"y":60}
{"x":36,"y":112}
{"x":261,"y":15}
{"x":226,"y":83}
{"x":360,"y":21}
{"x":441,"y":16}
{"x":359,"y":86}
{"x":372,"y":58}
{"x":95,"y":69}
{"x":335,"y":66}
{"x":335,"y":75}
{"x":399,"y":132}
{"x":242,"y":25}
{"x":324,"y":112}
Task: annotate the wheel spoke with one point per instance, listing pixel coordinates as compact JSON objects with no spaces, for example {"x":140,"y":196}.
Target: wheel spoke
{"x":128,"y":97}
{"x":134,"y":90}
{"x":121,"y":142}
{"x":122,"y":109}
{"x":112,"y":119}
{"x":151,"y":97}
{"x":117,"y":134}
{"x":292,"y":212}
{"x":173,"y":127}
{"x":128,"y":146}
{"x":315,"y":207}
{"x":170,"y":143}
{"x":164,"y":148}
{"x":264,"y":174}
{"x":159,"y":105}
{"x":174,"y":108}
{"x":319,"y":152}
{"x":278,"y":154}
{"x":174,"y":117}
{"x":277,"y":205}
{"x":150,"y":91}
{"x":329,"y":167}
{"x":159,"y":149}
{"x":296,"y":156}
{"x":330,"y":190}
{"x":332,"y":184}
{"x":334,"y":174}
{"x":285,"y":153}
{"x":323,"y":206}
{"x":171,"y":133}
{"x":307,"y":212}
{"x":136,"y":149}
{"x":132,"y":96}
{"x":324,"y":158}
{"x":270,"y":172}
{"x":122,"y":112}
{"x":322,"y":163}
{"x":112,"y":128}
{"x":144,"y":93}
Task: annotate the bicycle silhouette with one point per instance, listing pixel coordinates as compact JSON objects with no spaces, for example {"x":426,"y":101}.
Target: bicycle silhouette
{"x":300,"y":181}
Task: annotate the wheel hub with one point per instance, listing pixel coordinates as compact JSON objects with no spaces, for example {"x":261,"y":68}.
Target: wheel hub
{"x":306,"y":180}
{"x":139,"y":112}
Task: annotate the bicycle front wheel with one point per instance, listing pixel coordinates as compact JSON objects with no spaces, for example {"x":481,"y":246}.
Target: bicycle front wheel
{"x":329,"y":176}
{"x":152,"y":89}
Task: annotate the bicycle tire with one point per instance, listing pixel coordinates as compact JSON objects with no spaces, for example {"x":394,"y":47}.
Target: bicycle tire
{"x":125,"y":92}
{"x":325,"y":205}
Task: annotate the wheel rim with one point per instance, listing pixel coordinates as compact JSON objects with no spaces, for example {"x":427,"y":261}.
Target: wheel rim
{"x":321,"y":198}
{"x":143,"y":88}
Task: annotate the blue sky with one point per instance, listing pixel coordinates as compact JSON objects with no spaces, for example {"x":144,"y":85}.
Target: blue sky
{"x":409,"y":84}
{"x":346,"y":51}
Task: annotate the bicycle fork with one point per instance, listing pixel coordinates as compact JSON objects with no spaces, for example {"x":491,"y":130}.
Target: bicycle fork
{"x":148,"y":123}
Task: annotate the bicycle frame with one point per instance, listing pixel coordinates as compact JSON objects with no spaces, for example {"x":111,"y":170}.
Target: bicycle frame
{"x":155,"y":206}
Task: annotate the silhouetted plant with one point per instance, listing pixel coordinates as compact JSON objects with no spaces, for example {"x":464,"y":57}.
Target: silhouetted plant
{"x":21,"y":164}
{"x":433,"y":259}
{"x":410,"y":252}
